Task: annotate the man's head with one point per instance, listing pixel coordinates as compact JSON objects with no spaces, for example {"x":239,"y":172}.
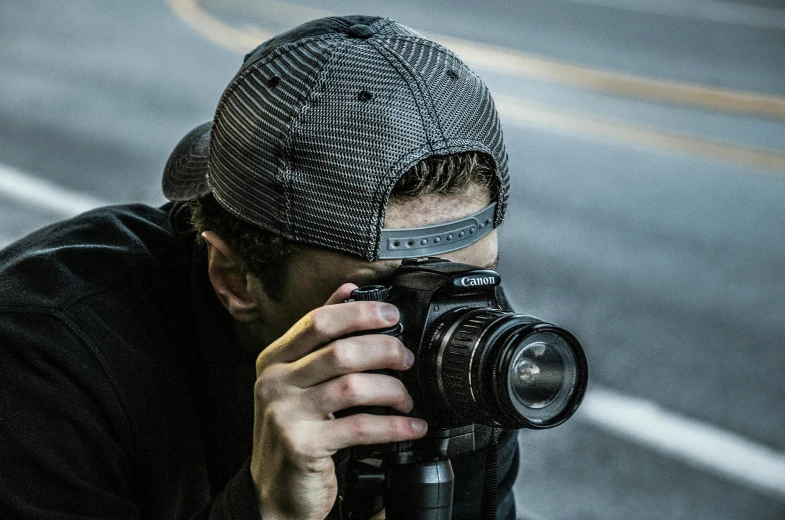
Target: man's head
{"x":352,"y":143}
{"x":294,"y":278}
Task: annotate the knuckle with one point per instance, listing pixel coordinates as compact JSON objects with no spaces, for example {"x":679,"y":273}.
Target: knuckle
{"x":396,"y":348}
{"x":350,"y":387}
{"x":403,"y":395}
{"x":265,"y":362}
{"x":297,"y":446}
{"x":366,"y":315}
{"x":320,"y":321}
{"x":370,"y":312}
{"x":263,"y":390}
{"x":342,"y":355}
{"x":401,"y":427}
{"x":268,"y":385}
{"x":274,"y":416}
{"x":361,"y":429}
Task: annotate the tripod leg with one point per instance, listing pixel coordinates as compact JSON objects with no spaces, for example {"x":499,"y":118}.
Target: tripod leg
{"x":421,"y":491}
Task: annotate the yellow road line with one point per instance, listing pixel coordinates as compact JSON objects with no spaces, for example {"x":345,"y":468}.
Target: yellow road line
{"x":224,"y":35}
{"x":514,"y":63}
{"x":528,"y":113}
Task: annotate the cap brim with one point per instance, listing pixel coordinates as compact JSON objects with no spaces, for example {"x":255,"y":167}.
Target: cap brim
{"x":185,"y":174}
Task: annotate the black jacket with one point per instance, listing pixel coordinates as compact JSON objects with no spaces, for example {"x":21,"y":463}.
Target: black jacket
{"x":123,"y":394}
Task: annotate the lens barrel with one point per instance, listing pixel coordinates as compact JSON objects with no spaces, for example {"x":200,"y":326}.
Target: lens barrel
{"x":505,"y":369}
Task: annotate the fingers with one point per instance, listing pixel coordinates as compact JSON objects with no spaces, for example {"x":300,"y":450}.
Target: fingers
{"x":353,"y":390}
{"x":324,"y":324}
{"x":354,"y":354}
{"x":341,"y":294}
{"x":364,"y":428}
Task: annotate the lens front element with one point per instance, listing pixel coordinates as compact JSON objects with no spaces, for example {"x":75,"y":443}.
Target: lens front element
{"x":537,"y":375}
{"x":543,"y":374}
{"x":503,"y":369}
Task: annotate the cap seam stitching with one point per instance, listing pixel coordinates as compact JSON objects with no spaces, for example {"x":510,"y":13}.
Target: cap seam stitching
{"x":296,"y":126}
{"x":256,"y":65}
{"x":394,"y":60}
{"x":420,"y":83}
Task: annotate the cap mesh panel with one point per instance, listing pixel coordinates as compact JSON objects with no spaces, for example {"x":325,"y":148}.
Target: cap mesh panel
{"x":343,"y":149}
{"x":250,"y":137}
{"x":465,"y":109}
{"x":312,"y":160}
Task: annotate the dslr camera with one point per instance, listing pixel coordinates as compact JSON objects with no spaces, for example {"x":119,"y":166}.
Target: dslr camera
{"x":477,"y":361}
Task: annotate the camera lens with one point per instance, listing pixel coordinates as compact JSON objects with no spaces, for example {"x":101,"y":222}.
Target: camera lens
{"x":537,"y":375}
{"x":503,"y":369}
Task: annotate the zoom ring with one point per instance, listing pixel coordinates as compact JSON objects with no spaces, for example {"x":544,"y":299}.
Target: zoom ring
{"x":454,"y":374}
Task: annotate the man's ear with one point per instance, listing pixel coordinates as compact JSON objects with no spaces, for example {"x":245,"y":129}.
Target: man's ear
{"x":231,"y":283}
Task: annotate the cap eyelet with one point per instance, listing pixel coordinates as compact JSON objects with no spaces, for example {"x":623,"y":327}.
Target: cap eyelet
{"x":364,"y":95}
{"x":452,"y":74}
{"x":273,"y":82}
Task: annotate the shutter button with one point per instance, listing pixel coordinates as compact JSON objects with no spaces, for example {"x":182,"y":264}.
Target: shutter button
{"x":361,"y":31}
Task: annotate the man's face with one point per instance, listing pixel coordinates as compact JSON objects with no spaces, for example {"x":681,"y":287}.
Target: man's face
{"x":314,"y":274}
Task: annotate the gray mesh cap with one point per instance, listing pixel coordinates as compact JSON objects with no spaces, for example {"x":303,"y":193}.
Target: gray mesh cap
{"x":311,"y":135}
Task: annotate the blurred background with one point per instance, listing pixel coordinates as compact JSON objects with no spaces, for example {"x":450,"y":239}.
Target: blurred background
{"x":647,"y":147}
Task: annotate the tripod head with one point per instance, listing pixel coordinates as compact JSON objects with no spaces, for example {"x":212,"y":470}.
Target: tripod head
{"x":413,"y":479}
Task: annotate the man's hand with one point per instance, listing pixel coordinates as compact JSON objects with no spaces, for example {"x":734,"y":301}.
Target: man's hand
{"x":306,"y":376}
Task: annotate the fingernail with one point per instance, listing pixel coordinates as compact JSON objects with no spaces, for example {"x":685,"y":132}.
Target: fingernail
{"x":419,"y":426}
{"x":408,"y":358}
{"x":409,"y":403}
{"x":390,"y":313}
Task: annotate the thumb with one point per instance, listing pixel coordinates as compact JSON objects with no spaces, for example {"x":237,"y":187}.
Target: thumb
{"x":341,"y":294}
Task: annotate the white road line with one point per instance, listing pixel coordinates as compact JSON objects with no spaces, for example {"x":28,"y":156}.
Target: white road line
{"x":710,"y":10}
{"x":44,"y":194}
{"x":709,"y":447}
{"x":700,"y":444}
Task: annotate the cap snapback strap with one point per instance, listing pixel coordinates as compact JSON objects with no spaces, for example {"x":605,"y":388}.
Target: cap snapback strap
{"x":437,"y":238}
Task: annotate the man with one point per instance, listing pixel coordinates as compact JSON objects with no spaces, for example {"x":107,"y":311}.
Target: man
{"x":189,"y":361}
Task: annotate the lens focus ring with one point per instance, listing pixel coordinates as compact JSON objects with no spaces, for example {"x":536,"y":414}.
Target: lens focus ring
{"x":457,"y":348}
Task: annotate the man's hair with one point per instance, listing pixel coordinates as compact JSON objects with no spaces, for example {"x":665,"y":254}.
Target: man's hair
{"x":266,"y":255}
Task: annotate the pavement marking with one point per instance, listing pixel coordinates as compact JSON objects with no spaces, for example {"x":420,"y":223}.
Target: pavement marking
{"x":530,"y":113}
{"x":45,"y":195}
{"x":226,"y":36}
{"x":710,"y":10}
{"x":709,"y":447}
{"x":518,"y":64}
{"x":514,"y":63}
{"x":700,"y":444}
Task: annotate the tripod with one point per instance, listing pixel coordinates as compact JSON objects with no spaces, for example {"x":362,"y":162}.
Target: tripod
{"x":414,"y":479}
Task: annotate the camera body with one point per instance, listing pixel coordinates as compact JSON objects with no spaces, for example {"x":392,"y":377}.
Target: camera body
{"x":477,"y":362}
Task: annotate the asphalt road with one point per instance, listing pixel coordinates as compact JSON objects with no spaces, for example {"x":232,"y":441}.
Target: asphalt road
{"x":654,"y":230}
